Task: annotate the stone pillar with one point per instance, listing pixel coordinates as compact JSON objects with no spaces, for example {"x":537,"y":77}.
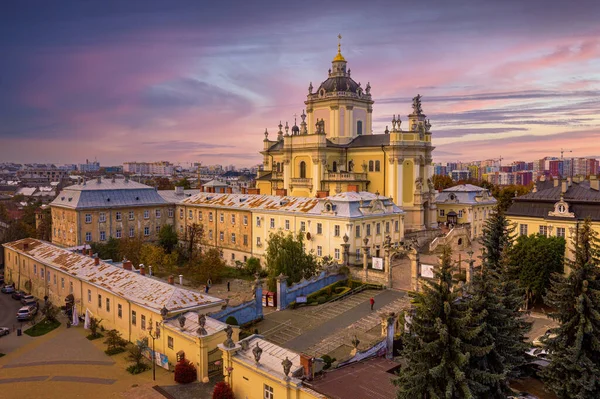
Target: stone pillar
{"x":281,"y":292}
{"x":258,"y":298}
{"x":365,"y":248}
{"x":387,"y":266}
{"x":470,"y":270}
{"x":399,"y":182}
{"x":388,"y":330}
{"x":286,"y":174}
{"x":227,"y":362}
{"x":415,"y":269}
{"x":202,"y":370}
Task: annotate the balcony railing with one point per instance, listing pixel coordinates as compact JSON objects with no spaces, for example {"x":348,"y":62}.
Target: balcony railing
{"x":346,"y":176}
{"x":301,"y":182}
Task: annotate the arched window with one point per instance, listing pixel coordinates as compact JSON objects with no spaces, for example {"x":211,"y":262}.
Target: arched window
{"x":377,"y":166}
{"x":359,"y":128}
{"x":303,"y":170}
{"x":370,"y":166}
{"x":334,"y":167}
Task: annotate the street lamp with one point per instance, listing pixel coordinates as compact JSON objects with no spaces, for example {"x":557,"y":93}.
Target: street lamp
{"x":154,"y":334}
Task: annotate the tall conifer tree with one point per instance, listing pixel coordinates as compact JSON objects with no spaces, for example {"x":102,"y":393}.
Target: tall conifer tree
{"x":574,"y":346}
{"x":435,"y":345}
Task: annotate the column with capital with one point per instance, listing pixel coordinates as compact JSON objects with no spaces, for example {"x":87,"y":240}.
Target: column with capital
{"x":365,"y":249}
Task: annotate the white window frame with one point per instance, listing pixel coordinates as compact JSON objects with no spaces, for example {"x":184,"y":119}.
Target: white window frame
{"x":102,"y":217}
{"x":88,"y":237}
{"x":146,"y":214}
{"x":131,"y":215}
{"x":233,"y":238}
{"x":268,"y":392}
{"x":561,"y":232}
{"x":146,"y":231}
{"x":303,"y":226}
{"x":272,"y":223}
{"x":442,"y":213}
{"x":157,"y":213}
{"x":319,"y":228}
{"x":523,"y":229}
{"x":319,"y":251}
{"x":88,"y":218}
{"x":336,"y":230}
{"x":131,"y":232}
{"x":287,"y":224}
{"x":258,"y":221}
{"x":103,"y":235}
{"x":118,"y":216}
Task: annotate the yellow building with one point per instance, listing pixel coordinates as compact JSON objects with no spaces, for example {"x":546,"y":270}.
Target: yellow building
{"x":465,"y":204}
{"x":334,"y":150}
{"x":557,"y":208}
{"x":98,"y":209}
{"x":335,"y":226}
{"x":130,"y":302}
{"x":256,"y":368}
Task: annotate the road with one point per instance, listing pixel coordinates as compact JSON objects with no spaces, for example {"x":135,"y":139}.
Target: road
{"x":8,"y":311}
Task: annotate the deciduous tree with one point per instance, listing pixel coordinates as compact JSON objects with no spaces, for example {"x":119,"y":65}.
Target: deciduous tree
{"x":285,"y":254}
{"x":167,"y":238}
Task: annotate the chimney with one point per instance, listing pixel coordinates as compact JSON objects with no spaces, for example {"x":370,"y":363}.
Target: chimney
{"x":556,"y":182}
{"x":594,"y":183}
{"x":25,"y":246}
{"x":99,"y":179}
{"x":282,"y":192}
{"x":322,"y":193}
{"x":254,"y":191}
{"x":96,"y":261}
{"x":142,"y":270}
{"x":306,"y":363}
{"x":243,"y":190}
{"x":563,"y":186}
{"x":229,"y":190}
{"x":181,"y":279}
{"x":179,"y":190}
{"x":127,"y":265}
{"x":91,"y":253}
{"x":150,"y":270}
{"x":569,"y":181}
{"x":172,"y":279}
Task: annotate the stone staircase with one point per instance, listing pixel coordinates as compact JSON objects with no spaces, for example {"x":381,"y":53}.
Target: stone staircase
{"x":360,"y":328}
{"x":282,"y":333}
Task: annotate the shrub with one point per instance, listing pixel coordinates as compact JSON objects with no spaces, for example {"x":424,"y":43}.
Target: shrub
{"x":232,"y":321}
{"x":138,"y":368}
{"x":252,"y":266}
{"x":114,"y":351}
{"x":222,"y":391}
{"x":328,"y":361}
{"x":322,"y":299}
{"x":185,"y":372}
{"x":114,"y":341}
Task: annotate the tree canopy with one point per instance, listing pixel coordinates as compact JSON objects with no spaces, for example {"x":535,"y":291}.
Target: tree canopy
{"x":285,"y":254}
{"x":167,"y":238}
{"x":574,"y":346}
{"x":532,"y":260}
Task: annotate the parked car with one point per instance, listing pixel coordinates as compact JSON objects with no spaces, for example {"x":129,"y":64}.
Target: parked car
{"x":31,"y":302}
{"x":27,"y":298}
{"x":4,"y":331}
{"x":8,"y":289}
{"x":26,"y":313}
{"x":17,"y":295}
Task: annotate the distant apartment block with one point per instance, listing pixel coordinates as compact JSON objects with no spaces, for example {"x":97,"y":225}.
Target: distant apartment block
{"x":162,"y":168}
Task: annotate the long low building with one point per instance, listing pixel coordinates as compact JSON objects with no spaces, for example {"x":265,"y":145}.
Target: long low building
{"x":124,"y":299}
{"x":336,"y":226}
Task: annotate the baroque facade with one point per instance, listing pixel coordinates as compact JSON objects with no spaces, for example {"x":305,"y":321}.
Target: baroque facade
{"x":334,"y":150}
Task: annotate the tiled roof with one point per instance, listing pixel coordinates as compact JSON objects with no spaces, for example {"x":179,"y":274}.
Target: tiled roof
{"x":271,"y":357}
{"x":347,"y":205}
{"x":576,"y":191}
{"x":108,"y":194}
{"x":173,"y":198}
{"x":145,"y":291}
{"x":191,"y":325}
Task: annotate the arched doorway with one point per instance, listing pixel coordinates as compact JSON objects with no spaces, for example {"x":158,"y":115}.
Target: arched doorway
{"x":452,"y":217}
{"x":303,"y":170}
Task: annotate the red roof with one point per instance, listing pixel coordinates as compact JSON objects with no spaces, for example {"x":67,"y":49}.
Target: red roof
{"x":370,"y":378}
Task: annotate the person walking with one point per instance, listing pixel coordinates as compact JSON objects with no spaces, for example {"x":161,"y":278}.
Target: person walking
{"x":372,"y":301}
{"x":229,"y":282}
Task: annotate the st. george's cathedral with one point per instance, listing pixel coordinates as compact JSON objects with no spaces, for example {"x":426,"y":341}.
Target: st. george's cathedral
{"x":335,"y":150}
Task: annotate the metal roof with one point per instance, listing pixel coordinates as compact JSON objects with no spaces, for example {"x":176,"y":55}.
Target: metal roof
{"x":145,"y":291}
{"x":271,"y":357}
{"x":465,"y":194}
{"x":173,"y":198}
{"x":344,"y":205}
{"x":108,"y":194}
{"x":191,"y":325}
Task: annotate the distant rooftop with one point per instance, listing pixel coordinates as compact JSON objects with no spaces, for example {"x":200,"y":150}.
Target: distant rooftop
{"x":350,"y":204}
{"x":148,"y":292}
{"x":465,"y":188}
{"x":108,"y":193}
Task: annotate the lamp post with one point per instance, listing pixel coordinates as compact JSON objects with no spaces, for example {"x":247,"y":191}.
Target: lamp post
{"x":154,"y":334}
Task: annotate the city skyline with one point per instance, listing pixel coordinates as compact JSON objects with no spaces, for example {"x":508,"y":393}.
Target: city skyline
{"x":150,"y":81}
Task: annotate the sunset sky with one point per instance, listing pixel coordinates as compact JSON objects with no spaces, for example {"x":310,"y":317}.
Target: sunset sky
{"x":199,"y":81}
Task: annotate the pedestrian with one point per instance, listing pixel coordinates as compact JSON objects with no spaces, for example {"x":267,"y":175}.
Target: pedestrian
{"x":228,"y":287}
{"x":372,"y":301}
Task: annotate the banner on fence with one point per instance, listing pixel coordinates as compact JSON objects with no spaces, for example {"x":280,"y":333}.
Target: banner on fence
{"x":377,"y":263}
{"x":426,"y":270}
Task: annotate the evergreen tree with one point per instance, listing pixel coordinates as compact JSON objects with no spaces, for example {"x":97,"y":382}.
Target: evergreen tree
{"x":496,"y":239}
{"x":574,"y":346}
{"x":435,"y":346}
{"x":501,"y":296}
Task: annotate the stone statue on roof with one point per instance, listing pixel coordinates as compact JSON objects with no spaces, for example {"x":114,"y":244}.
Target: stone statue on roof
{"x":417,"y":105}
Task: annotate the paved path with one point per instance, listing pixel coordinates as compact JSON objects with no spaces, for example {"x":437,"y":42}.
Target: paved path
{"x":305,"y":327}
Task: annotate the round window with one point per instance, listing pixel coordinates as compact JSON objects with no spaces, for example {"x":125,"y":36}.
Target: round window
{"x":562,"y":208}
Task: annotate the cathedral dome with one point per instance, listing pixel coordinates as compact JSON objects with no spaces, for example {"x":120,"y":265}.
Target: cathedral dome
{"x":339,"y":83}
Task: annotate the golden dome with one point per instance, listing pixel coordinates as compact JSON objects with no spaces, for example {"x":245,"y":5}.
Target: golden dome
{"x":339,"y":56}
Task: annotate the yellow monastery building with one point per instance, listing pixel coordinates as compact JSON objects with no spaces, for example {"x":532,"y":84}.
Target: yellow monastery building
{"x":334,"y":150}
{"x":133,"y":303}
{"x":465,"y":204}
{"x":557,"y":208}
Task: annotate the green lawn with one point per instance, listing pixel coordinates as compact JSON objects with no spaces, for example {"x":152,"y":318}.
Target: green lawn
{"x":41,"y":328}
